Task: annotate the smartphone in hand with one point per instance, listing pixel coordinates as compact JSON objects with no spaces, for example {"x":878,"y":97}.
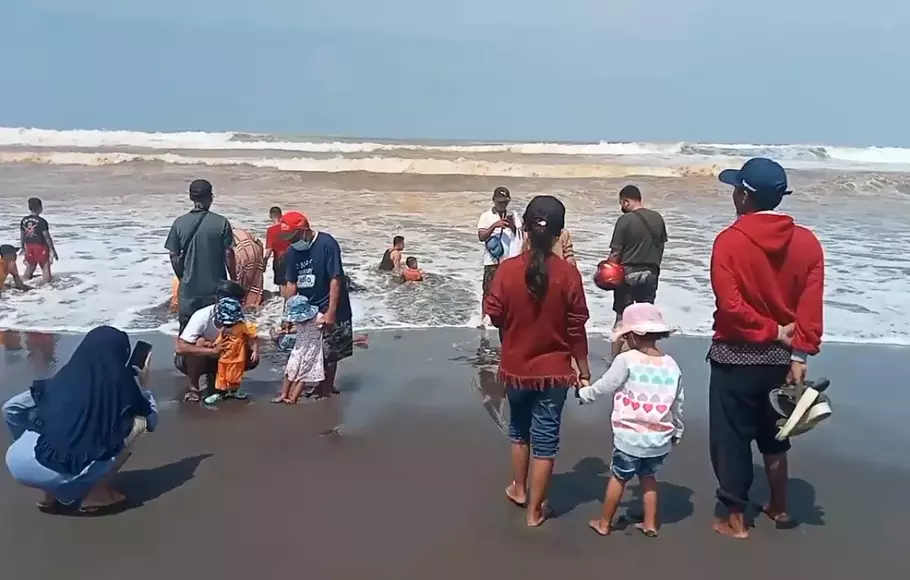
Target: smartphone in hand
{"x":140,"y":356}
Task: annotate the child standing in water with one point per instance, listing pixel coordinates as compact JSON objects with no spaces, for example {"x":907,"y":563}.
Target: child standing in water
{"x":305,"y":364}
{"x":647,"y":412}
{"x":237,"y":338}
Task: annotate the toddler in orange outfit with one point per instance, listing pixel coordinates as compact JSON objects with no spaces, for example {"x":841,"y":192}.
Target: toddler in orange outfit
{"x":236,"y":338}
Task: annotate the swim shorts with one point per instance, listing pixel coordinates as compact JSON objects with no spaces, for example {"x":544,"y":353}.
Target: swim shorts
{"x":338,"y":342}
{"x":37,"y":254}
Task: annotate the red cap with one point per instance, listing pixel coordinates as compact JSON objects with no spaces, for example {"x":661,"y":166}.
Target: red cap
{"x":293,"y":221}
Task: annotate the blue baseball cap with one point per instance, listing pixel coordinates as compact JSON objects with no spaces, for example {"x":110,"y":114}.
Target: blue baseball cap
{"x":758,"y":176}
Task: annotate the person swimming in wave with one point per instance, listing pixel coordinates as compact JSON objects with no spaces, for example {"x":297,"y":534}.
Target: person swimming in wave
{"x":391,"y":259}
{"x":411,"y":273}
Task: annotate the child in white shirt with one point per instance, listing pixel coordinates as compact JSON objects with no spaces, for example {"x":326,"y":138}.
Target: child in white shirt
{"x":647,"y":412}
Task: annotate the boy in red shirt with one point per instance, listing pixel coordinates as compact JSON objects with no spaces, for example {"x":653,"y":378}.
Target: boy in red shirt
{"x":768,"y":279}
{"x":277,"y":246}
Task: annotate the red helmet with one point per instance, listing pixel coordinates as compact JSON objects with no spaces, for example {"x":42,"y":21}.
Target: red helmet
{"x":609,"y":275}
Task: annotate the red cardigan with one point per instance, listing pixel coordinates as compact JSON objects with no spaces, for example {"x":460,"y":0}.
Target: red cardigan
{"x":539,"y":339}
{"x":767,"y":272}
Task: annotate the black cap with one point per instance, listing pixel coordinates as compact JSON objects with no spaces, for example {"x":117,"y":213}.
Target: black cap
{"x":6,"y":250}
{"x":501,"y":193}
{"x":200,"y":188}
{"x":548,"y":212}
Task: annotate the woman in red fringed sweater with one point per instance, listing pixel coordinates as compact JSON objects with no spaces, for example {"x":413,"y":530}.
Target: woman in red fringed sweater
{"x":538,"y":302}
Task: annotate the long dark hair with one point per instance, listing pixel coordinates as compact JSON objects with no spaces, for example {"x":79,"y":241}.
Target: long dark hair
{"x":543,"y":221}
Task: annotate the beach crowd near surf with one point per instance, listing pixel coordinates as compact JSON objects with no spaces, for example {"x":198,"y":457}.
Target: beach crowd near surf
{"x":767,"y":324}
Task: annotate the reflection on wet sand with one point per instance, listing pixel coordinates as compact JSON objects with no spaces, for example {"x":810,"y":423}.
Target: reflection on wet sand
{"x":40,"y":349}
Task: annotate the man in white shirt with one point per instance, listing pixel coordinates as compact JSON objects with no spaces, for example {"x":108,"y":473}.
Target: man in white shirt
{"x":499,"y":229}
{"x":196,"y":354}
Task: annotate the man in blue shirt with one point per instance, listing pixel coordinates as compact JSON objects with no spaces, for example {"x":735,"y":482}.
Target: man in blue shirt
{"x":314,"y":270}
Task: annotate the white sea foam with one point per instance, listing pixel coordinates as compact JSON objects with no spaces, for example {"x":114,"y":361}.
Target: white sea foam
{"x":373,"y":164}
{"x":802,"y":156}
{"x":110,"y":199}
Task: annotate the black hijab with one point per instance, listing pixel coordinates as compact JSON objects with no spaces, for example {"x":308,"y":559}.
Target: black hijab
{"x":85,"y":412}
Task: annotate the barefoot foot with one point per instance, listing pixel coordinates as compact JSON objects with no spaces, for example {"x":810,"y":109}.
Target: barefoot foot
{"x":601,"y":526}
{"x":647,"y":531}
{"x":516,"y":495}
{"x":536,"y":520}
{"x":724,"y":528}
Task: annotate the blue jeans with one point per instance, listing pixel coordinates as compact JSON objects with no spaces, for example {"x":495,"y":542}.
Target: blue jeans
{"x":535,"y":418}
{"x":624,"y":466}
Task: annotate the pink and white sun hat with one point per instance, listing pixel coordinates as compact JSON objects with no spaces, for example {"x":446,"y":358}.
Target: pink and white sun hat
{"x":641,"y":318}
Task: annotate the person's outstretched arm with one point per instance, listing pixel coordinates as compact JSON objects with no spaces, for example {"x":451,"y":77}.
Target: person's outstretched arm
{"x":611,"y":381}
{"x":676,"y":410}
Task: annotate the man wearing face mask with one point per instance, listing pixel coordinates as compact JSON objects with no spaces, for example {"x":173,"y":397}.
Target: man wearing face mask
{"x":314,"y":269}
{"x":638,"y":244}
{"x":768,"y":276}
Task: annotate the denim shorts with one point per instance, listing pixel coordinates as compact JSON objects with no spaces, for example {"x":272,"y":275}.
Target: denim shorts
{"x":535,"y":417}
{"x":624,"y":466}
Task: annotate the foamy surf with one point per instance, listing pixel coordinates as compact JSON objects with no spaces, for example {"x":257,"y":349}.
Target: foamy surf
{"x":388,"y":165}
{"x":111,"y":197}
{"x":813,"y":156}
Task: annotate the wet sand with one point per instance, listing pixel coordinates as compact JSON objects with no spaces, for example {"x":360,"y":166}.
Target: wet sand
{"x":413,"y":486}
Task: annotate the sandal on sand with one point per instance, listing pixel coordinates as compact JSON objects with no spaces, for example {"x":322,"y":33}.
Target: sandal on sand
{"x":191,"y":396}
{"x":782,"y":520}
{"x":648,"y":532}
{"x":239,"y":394}
{"x":279,"y":399}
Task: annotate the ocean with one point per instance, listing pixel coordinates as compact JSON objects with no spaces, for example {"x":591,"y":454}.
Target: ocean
{"x":110,"y":197}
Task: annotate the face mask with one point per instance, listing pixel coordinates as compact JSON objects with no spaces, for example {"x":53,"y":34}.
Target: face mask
{"x":302,"y":245}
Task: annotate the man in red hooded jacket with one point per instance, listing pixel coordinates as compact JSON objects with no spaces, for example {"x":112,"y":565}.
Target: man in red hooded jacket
{"x":767,"y":274}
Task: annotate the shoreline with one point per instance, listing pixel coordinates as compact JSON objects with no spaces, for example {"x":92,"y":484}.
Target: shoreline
{"x":413,"y":488}
{"x":593,"y":333}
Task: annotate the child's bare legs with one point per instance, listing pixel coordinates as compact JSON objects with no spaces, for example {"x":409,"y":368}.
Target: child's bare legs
{"x":612,"y":497}
{"x":46,"y":272}
{"x":284,"y":392}
{"x":649,"y":504}
{"x":517,"y":490}
{"x":295,"y":392}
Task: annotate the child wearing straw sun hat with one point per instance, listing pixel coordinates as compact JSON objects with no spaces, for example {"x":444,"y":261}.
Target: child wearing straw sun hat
{"x":647,"y":412}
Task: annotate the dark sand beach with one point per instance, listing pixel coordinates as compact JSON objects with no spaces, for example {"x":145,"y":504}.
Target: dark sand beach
{"x":413,"y":487}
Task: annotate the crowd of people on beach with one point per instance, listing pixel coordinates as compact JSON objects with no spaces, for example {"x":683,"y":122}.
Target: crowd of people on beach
{"x":72,"y":432}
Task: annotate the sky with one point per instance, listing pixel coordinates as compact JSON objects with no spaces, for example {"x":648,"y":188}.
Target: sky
{"x":777,"y":71}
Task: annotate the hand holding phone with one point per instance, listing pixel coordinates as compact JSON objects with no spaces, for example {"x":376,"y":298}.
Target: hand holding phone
{"x":141,"y":355}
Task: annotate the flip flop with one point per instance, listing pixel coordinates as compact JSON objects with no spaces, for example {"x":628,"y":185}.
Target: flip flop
{"x":191,"y":396}
{"x":648,"y":532}
{"x":782,"y":521}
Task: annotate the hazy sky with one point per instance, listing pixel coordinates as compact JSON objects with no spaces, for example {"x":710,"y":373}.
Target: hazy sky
{"x":775,"y":71}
